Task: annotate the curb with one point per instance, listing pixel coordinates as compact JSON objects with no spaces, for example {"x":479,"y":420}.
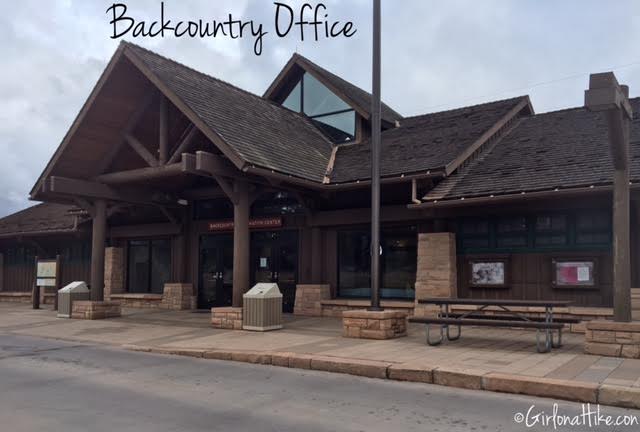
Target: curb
{"x":604,"y":394}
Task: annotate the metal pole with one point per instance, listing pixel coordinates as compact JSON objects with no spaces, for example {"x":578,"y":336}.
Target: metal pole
{"x":375,"y":162}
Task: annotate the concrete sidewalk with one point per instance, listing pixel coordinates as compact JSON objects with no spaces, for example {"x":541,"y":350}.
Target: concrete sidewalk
{"x":490,"y":359}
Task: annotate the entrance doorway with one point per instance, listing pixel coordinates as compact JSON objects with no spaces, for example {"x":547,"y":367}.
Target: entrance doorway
{"x":215,"y":271}
{"x":274,"y":258}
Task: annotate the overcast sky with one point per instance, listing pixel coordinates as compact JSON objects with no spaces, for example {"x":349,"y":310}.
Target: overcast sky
{"x":437,"y":55}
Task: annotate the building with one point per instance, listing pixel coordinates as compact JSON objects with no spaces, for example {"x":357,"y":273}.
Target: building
{"x":192,"y":182}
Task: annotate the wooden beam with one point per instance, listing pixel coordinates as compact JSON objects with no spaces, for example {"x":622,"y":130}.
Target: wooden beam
{"x":146,"y":230}
{"x":168,"y":215}
{"x":88,"y":189}
{"x":85,"y":205}
{"x":215,"y":165}
{"x":228,"y":189}
{"x":141,"y":150}
{"x":131,"y":124}
{"x":163,"y":131}
{"x":140,"y":174}
{"x":184,"y":144}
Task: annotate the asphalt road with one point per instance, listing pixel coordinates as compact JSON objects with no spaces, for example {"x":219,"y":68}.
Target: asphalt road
{"x":48,"y":385}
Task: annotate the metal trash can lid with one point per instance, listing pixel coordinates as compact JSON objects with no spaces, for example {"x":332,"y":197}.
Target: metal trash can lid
{"x":263,"y":290}
{"x":75,"y":287}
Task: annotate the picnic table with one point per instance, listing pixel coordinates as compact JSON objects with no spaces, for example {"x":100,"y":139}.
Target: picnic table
{"x":507,"y":318}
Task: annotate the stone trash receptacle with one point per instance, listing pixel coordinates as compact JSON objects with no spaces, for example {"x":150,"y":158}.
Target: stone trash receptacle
{"x":365,"y":324}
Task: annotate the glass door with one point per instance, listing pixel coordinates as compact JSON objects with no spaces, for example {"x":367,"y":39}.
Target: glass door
{"x":216,"y":271}
{"x":274,"y":258}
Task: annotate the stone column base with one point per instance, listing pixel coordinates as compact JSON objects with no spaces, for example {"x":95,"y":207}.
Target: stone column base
{"x":178,"y":296}
{"x":229,"y":318}
{"x":364,"y":324}
{"x":613,"y":339}
{"x":308,"y":298}
{"x":87,"y":309}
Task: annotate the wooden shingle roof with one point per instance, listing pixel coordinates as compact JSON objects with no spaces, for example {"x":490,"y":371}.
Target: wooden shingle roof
{"x":46,"y":218}
{"x":562,"y":149}
{"x":261,"y":132}
{"x":422,"y":143}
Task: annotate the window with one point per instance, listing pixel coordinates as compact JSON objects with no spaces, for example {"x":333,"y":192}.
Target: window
{"x":551,"y":230}
{"x":397,"y":262}
{"x":593,"y":228}
{"x":213,"y":209}
{"x":276,"y":204}
{"x":579,"y":230}
{"x":149,"y":265}
{"x":329,"y":113}
{"x":474,"y":234}
{"x":511,"y":232}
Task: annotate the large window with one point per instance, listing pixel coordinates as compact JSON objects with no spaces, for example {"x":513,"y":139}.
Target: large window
{"x":398,"y":263}
{"x":149,"y":265}
{"x":583,"y":230}
{"x":276,"y":204}
{"x":330,"y":113}
{"x":213,"y":209}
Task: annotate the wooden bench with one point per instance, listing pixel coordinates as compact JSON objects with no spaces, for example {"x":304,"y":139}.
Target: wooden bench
{"x":445,"y":323}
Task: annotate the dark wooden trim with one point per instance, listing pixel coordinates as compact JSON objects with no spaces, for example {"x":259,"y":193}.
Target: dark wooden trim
{"x":184,"y":144}
{"x":146,"y":230}
{"x":140,"y":174}
{"x":78,"y":120}
{"x":235,"y":158}
{"x":215,"y":165}
{"x":131,"y":124}
{"x":163,"y":132}
{"x":141,"y":150}
{"x":1,"y":272}
{"x":452,"y":166}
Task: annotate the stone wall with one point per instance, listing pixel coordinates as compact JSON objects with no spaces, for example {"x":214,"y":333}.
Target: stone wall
{"x":15,"y":297}
{"x":308,"y":299}
{"x":87,"y":309}
{"x":229,"y":318}
{"x":335,"y":307}
{"x":613,"y":339}
{"x":364,"y":324}
{"x":436,"y":274}
{"x":178,"y":296}
{"x":113,"y":271}
{"x":138,"y":301}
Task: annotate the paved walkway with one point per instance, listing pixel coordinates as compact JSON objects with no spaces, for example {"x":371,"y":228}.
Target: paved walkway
{"x":479,"y":351}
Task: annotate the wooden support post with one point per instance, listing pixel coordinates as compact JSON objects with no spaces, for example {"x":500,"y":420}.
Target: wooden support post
{"x":58,"y":281}
{"x":621,"y":246}
{"x":316,"y":255}
{"x":241,"y":208}
{"x":606,"y":95}
{"x":35,"y":292}
{"x":164,"y":131}
{"x":1,"y":272}
{"x":97,"y":250}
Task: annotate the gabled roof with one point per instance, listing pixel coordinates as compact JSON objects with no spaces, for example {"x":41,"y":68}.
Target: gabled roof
{"x":427,"y":142}
{"x":41,"y":219}
{"x":353,"y":95}
{"x":248,"y":129}
{"x":563,"y":149}
{"x":261,"y":132}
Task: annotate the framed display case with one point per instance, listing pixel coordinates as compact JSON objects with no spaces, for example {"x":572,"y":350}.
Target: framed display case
{"x":574,"y":273}
{"x":489,"y":273}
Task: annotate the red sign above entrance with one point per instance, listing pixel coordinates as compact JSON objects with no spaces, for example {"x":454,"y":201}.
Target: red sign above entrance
{"x":274,"y":222}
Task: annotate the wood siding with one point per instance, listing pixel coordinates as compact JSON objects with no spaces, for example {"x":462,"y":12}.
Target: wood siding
{"x":531,"y":278}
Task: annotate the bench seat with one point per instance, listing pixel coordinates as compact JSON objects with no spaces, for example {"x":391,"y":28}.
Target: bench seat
{"x":510,"y":317}
{"x":488,"y":322}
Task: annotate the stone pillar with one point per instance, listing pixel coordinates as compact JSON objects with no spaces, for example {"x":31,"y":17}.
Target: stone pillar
{"x":240,"y":242}
{"x":178,"y":296}
{"x":437,"y":270}
{"x":308,"y":298}
{"x":113,"y":272}
{"x":97,"y":250}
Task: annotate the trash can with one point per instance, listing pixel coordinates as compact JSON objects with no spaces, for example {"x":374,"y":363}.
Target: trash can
{"x":262,"y":308}
{"x":68,"y":294}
